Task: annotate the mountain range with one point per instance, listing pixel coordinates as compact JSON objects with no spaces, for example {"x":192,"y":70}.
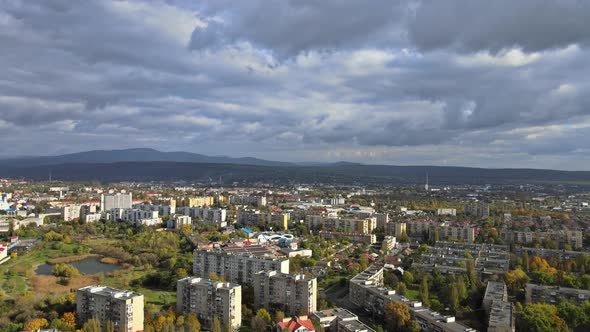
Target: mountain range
{"x":139,"y":154}
{"x":153,"y":165}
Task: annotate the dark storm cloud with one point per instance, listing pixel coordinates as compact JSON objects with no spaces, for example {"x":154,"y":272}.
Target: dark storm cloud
{"x":463,"y":82}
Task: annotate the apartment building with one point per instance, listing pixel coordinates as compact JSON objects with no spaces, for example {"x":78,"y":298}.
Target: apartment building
{"x":248,"y":200}
{"x":70,"y":212}
{"x":340,"y":320}
{"x":553,"y":294}
{"x":293,"y":294}
{"x":446,"y":212}
{"x":388,"y":243}
{"x":123,"y":308}
{"x":453,"y":257}
{"x":178,"y":221}
{"x":499,"y":310}
{"x":208,"y":299}
{"x":445,"y":231}
{"x":352,"y":237}
{"x":236,"y":266}
{"x":195,"y":201}
{"x":382,"y":219}
{"x":346,"y":225}
{"x":115,"y":201}
{"x":479,"y":210}
{"x":396,"y":228}
{"x":562,"y":237}
{"x":366,"y":291}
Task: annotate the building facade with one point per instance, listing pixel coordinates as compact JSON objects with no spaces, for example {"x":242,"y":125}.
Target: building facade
{"x":208,"y":299}
{"x":235,"y":267}
{"x":116,"y":201}
{"x":293,"y":294}
{"x":123,"y":308}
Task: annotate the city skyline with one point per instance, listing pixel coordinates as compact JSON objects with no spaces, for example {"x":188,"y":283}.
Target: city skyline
{"x":457,"y":83}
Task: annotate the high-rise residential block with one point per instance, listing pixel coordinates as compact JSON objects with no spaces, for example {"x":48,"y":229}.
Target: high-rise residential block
{"x":115,"y":201}
{"x":236,"y":266}
{"x":123,"y":308}
{"x":293,"y":294}
{"x":208,"y":299}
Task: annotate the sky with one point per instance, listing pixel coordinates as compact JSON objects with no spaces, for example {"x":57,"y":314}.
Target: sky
{"x":481,"y":83}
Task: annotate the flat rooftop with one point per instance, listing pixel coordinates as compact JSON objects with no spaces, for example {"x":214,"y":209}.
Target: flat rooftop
{"x":110,"y":292}
{"x":501,"y":315}
{"x":495,"y":291}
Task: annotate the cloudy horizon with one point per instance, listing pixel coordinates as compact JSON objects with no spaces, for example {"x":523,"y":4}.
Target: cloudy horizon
{"x":497,"y":84}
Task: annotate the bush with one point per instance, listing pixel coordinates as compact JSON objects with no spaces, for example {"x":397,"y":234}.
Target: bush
{"x":65,"y":271}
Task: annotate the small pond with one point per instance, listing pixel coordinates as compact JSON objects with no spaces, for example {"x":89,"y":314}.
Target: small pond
{"x":90,"y":265}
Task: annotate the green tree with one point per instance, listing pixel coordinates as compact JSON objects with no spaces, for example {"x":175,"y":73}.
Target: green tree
{"x":424,"y":296}
{"x":541,"y":317}
{"x":262,"y":313}
{"x":573,"y":315}
{"x":408,"y":278}
{"x":401,"y":289}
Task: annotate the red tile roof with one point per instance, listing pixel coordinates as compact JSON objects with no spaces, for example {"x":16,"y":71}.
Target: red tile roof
{"x":295,"y":323}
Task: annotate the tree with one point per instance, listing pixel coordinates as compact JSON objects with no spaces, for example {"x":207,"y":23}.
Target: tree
{"x":397,"y":315}
{"x":279,"y":316}
{"x":109,"y":326}
{"x":36,"y":324}
{"x":408,"y":277}
{"x":262,"y":313}
{"x":401,"y":289}
{"x":216,"y":325}
{"x":258,"y":324}
{"x":412,"y":326}
{"x":453,"y":298}
{"x":516,"y":279}
{"x":91,"y":325}
{"x":65,"y":271}
{"x":364,"y":262}
{"x":191,"y":323}
{"x":541,"y":317}
{"x":424,"y":296}
{"x":573,"y":315}
{"x":69,"y":318}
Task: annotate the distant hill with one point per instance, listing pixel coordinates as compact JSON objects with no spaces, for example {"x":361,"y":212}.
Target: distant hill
{"x":131,"y":155}
{"x":337,"y":173}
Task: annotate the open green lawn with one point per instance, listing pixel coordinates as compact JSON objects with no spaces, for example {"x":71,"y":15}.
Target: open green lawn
{"x":412,"y":294}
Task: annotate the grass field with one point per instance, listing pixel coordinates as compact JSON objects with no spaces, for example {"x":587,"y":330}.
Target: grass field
{"x":17,"y":276}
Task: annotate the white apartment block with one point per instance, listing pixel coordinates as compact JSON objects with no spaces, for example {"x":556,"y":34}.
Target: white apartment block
{"x":208,"y":299}
{"x":123,"y":308}
{"x":446,"y":212}
{"x":94,"y":217}
{"x":135,"y":216}
{"x":248,"y":200}
{"x":178,"y":221}
{"x":235,"y":267}
{"x":70,"y":212}
{"x":293,"y":294}
{"x":209,"y":215}
{"x":115,"y":201}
